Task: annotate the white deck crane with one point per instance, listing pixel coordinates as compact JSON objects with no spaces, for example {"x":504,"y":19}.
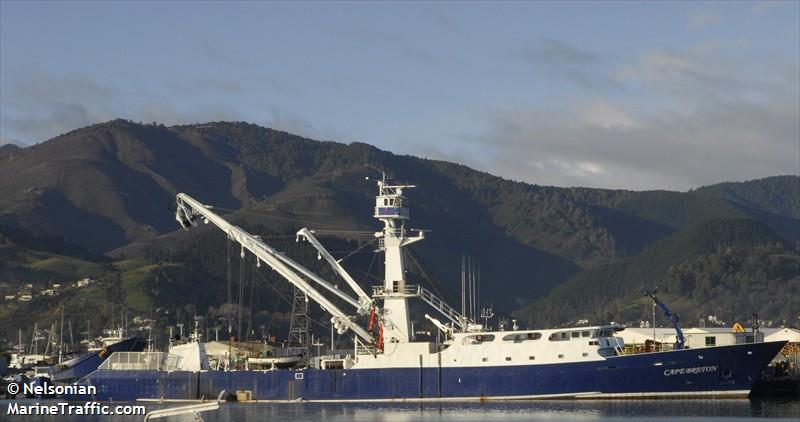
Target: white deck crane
{"x":189,"y":211}
{"x":365,"y":302}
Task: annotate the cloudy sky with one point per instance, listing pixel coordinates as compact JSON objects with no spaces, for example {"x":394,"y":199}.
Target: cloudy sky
{"x":629,"y":95}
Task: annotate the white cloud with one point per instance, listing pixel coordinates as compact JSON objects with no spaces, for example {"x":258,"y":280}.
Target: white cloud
{"x":675,"y":150}
{"x":604,"y":115}
{"x":701,"y":73}
{"x":699,"y":116}
{"x":714,"y":142}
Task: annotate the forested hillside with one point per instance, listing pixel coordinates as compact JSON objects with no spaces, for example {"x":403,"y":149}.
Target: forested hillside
{"x":95,"y":202}
{"x":724,"y":267}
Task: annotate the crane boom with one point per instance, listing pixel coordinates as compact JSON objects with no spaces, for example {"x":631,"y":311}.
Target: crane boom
{"x":364,"y":300}
{"x":680,"y":339}
{"x":187,"y":212}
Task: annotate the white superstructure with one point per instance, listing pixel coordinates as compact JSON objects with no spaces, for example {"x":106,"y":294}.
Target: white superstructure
{"x":698,"y":337}
{"x":390,"y":210}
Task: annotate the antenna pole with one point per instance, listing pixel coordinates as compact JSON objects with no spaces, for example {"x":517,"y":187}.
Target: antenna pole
{"x":469,"y":286}
{"x":35,"y":341}
{"x":474,"y":291}
{"x":61,"y":337}
{"x":71,"y":340}
{"x":654,"y":324}
{"x":463,"y":286}
{"x":472,"y":288}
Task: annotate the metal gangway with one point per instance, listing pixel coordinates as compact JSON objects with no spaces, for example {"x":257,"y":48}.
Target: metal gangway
{"x":440,"y":305}
{"x":192,"y":409}
{"x":417,"y":291}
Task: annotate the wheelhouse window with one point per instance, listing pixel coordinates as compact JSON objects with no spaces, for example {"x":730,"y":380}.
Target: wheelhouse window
{"x":559,"y":336}
{"x":478,"y":339}
{"x":711,"y":340}
{"x":604,"y":333}
{"x":520,"y":337}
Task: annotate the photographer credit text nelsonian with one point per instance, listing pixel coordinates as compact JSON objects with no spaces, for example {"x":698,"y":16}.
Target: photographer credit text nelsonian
{"x":64,"y":408}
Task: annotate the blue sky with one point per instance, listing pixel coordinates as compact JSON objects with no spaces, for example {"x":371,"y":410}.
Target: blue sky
{"x":665,"y":95}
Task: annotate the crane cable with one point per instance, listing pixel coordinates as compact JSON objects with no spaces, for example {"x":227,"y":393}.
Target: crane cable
{"x":425,"y":274}
{"x":357,"y":249}
{"x":250,"y":307}
{"x":240,"y":299}
{"x":230,"y":298}
{"x":280,"y":295}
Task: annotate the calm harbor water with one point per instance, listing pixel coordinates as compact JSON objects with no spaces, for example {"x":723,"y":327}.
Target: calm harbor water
{"x":589,"y":410}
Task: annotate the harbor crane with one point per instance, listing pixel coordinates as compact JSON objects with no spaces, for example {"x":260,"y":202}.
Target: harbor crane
{"x":680,"y":340}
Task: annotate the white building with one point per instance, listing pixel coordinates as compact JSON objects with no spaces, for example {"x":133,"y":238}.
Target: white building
{"x":84,"y":282}
{"x":709,"y":336}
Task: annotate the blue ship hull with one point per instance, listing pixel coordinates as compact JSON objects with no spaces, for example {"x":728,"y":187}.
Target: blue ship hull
{"x":714,"y":371}
{"x":83,"y":365}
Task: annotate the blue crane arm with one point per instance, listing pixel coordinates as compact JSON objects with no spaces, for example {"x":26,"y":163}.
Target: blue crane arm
{"x":681,"y":340}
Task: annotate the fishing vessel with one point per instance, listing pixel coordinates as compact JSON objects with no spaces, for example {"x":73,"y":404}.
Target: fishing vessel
{"x":386,"y":363}
{"x":74,"y":369}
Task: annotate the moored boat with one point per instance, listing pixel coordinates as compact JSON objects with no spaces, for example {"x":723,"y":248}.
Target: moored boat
{"x":83,"y":365}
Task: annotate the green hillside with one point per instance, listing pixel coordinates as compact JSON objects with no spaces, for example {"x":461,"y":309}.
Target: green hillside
{"x":612,"y":292}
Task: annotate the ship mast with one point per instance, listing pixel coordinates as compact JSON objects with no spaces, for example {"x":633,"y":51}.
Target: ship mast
{"x":389,"y":209}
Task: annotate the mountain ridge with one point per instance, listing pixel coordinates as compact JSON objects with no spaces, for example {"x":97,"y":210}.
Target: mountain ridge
{"x":107,"y":189}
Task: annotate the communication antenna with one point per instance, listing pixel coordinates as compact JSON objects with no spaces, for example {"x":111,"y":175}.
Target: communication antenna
{"x":486,"y":315}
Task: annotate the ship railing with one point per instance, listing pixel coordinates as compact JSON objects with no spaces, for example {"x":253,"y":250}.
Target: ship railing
{"x":364,"y":349}
{"x":415,"y":290}
{"x":440,"y":305}
{"x":142,"y":361}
